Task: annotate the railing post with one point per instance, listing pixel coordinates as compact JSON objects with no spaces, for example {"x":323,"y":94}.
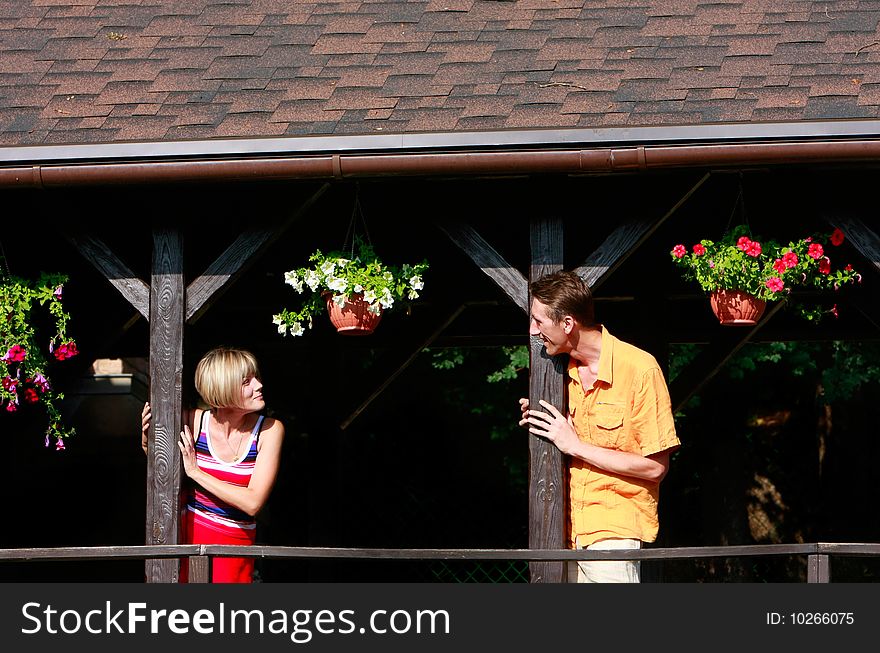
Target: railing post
{"x":200,"y":569}
{"x":818,"y":569}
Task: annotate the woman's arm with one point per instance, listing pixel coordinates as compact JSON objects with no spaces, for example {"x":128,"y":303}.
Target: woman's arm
{"x":252,"y":498}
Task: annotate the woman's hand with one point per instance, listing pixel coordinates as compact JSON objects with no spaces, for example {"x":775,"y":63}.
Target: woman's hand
{"x":188,"y":452}
{"x":145,"y":425}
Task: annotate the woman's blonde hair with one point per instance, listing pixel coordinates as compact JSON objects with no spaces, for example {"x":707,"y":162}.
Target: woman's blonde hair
{"x":221,"y":373}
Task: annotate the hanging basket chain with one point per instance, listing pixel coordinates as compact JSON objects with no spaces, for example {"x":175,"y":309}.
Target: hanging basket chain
{"x":739,"y":203}
{"x":5,"y":272}
{"x":357,"y":219}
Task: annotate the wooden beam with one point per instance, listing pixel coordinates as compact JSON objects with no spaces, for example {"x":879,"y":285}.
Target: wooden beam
{"x":115,"y":271}
{"x":863,"y":238}
{"x":625,"y":240}
{"x":166,"y":370}
{"x":508,"y":278}
{"x":548,"y":499}
{"x":406,"y":363}
{"x":710,"y":361}
{"x":236,"y":259}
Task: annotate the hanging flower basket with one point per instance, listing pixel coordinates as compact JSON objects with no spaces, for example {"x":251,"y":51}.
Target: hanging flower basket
{"x":736,"y":308}
{"x":355,"y":288}
{"x":352,"y":316}
{"x":741,"y":274}
{"x":24,"y":375}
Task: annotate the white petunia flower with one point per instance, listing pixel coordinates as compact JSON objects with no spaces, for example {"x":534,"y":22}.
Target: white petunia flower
{"x":370,"y":296}
{"x":312,"y":280}
{"x":297,"y":329}
{"x":336,"y":283}
{"x":416,"y":282}
{"x":327,"y":267}
{"x":339,"y":300}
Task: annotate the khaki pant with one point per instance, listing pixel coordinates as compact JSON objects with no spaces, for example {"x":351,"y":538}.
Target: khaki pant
{"x":606,"y":571}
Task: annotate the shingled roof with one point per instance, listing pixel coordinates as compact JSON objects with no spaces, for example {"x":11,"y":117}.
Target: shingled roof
{"x":97,"y":71}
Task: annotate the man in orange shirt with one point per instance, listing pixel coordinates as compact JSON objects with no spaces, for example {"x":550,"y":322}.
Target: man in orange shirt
{"x":618,"y":433}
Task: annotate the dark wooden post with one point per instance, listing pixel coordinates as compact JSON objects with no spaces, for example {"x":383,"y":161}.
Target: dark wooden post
{"x":167,"y":303}
{"x":547,"y":480}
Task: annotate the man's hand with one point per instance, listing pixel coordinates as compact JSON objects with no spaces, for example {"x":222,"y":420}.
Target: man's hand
{"x":552,"y":425}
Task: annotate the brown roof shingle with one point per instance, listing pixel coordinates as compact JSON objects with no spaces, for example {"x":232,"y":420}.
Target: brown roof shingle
{"x":109,"y":70}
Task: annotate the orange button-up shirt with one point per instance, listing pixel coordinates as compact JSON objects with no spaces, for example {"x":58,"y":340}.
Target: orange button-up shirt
{"x":628,"y":409}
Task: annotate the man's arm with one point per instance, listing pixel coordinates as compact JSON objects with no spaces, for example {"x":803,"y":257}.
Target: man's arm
{"x":554,"y":426}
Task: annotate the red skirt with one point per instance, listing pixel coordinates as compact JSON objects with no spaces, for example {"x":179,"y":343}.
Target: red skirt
{"x":198,"y":530}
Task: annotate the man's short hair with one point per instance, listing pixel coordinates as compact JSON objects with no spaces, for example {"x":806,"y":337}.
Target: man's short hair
{"x":565,"y":293}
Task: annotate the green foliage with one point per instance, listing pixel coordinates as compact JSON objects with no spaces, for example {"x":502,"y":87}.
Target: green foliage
{"x":492,"y":405}
{"x":517,"y":361}
{"x":336,"y":275}
{"x":841,"y":368}
{"x":765,"y":270}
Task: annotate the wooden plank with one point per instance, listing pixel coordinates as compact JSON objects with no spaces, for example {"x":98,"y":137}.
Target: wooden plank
{"x":548,"y":499}
{"x":236,"y":259}
{"x":710,"y":361}
{"x":135,"y":291}
{"x":508,"y":278}
{"x":406,"y":363}
{"x":624,"y":241}
{"x":306,"y":552}
{"x":166,"y":370}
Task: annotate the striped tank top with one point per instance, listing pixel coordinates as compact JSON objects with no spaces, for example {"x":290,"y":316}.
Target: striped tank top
{"x":209,"y":509}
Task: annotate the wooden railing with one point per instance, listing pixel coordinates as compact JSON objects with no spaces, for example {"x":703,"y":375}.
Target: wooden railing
{"x":199,"y":555}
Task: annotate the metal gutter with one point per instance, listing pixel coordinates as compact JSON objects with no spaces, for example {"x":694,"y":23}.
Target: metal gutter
{"x":478,"y":153}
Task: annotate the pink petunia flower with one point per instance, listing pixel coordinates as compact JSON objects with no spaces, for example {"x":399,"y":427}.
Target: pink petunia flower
{"x":16,"y":354}
{"x":59,"y":445}
{"x":754,"y":249}
{"x":825,"y":265}
{"x":65,"y":351}
{"x":780,"y":266}
{"x":679,"y":250}
{"x":815,"y":251}
{"x":41,"y":382}
{"x":699,"y":249}
{"x":836,"y":237}
{"x":790,"y":258}
{"x":775,"y":284}
{"x":743,"y":243}
{"x":57,"y":292}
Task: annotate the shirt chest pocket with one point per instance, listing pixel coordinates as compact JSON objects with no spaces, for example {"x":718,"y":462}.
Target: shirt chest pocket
{"x":606,"y":425}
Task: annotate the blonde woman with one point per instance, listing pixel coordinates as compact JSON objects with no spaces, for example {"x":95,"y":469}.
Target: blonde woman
{"x":231,"y":454}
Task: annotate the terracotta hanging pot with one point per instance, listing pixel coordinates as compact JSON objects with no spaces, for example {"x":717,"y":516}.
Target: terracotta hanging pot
{"x":736,"y":308}
{"x":353,"y":318}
